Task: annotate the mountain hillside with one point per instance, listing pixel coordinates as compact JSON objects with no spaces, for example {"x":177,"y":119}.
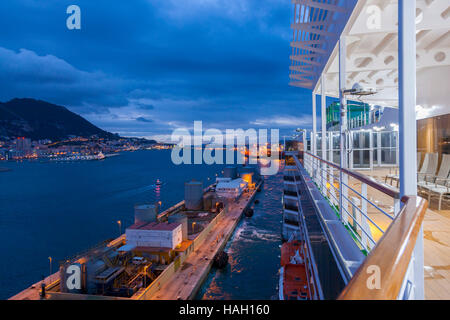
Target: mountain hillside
{"x":38,"y":119}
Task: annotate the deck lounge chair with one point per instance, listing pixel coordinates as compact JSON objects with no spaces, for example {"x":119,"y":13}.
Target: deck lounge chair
{"x":391,"y":177}
{"x":442,"y":175}
{"x":440,"y":186}
{"x":396,"y":177}
{"x":429,"y":167}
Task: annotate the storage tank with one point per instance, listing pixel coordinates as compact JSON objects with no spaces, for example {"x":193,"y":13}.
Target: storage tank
{"x":145,"y":213}
{"x":183,"y":220}
{"x":208,"y":202}
{"x":230,"y":172}
{"x":193,"y":195}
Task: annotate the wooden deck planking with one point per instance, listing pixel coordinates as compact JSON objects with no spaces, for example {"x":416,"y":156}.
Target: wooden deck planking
{"x":436,"y":228}
{"x":437,"y":255}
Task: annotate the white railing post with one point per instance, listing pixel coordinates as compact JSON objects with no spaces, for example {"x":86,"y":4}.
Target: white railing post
{"x":324,"y":130}
{"x":407,"y":122}
{"x":397,"y":206}
{"x":371,"y":150}
{"x":397,"y":149}
{"x":343,"y":122}
{"x":364,"y":221}
{"x":314,"y":135}
{"x":379,"y":152}
{"x":345,"y":205}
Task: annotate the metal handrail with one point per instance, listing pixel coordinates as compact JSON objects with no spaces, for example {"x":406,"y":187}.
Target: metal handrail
{"x":392,"y":256}
{"x":320,"y":169}
{"x":371,"y":203}
{"x":359,"y":194}
{"x":370,"y":182}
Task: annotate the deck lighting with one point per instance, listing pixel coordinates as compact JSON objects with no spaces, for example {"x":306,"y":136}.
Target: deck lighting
{"x":359,"y":90}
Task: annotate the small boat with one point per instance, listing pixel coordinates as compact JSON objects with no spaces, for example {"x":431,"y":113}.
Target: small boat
{"x":100,"y":156}
{"x":293,"y":283}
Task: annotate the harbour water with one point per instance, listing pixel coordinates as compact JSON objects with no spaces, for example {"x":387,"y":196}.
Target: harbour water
{"x":254,"y":252}
{"x":59,"y":209}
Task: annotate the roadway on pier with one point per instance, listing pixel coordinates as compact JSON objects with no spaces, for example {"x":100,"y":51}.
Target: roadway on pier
{"x":188,"y":279}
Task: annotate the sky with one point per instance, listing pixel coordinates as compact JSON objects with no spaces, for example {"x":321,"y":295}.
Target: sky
{"x":147,"y":67}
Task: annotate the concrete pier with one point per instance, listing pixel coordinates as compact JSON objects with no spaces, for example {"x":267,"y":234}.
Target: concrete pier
{"x":187,"y":280}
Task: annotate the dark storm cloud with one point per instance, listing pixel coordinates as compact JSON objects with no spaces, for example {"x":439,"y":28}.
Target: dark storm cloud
{"x":142,"y":119}
{"x":221,"y":61}
{"x":144,"y":106}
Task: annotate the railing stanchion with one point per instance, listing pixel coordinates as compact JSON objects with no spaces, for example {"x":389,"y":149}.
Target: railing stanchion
{"x":345,"y":198}
{"x":399,"y":252}
{"x":332,"y":191}
{"x":364,"y":222}
{"x":397,"y":203}
{"x":340,"y":194}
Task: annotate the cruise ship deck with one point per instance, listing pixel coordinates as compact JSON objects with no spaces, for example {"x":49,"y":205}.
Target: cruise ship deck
{"x":436,"y":229}
{"x":380,"y":68}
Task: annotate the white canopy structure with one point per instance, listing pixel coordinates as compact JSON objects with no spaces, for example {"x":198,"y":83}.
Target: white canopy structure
{"x":371,"y":31}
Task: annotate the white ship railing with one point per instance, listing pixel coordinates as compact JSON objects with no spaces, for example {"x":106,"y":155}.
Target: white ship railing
{"x":373,"y":212}
{"x":367,"y":217}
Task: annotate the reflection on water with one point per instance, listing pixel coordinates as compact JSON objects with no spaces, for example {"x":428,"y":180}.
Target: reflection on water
{"x":254,"y":252}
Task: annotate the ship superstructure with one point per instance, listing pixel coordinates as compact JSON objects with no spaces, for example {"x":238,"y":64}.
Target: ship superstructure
{"x":361,"y":58}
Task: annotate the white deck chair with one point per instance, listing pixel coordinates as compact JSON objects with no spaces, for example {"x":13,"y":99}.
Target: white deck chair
{"x":429,"y":167}
{"x":424,"y":167}
{"x":439,"y":191}
{"x":442,"y":175}
{"x":440,"y":188}
{"x":391,"y":176}
{"x":396,"y":177}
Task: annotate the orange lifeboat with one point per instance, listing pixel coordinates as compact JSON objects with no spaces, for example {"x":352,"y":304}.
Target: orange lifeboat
{"x":293,"y":273}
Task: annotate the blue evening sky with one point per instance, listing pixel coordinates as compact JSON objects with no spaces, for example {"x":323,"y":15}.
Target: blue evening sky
{"x":146,"y":67}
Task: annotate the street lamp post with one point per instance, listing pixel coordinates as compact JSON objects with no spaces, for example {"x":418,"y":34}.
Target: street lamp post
{"x":50,"y":264}
{"x":145,"y":276}
{"x":120,"y":227}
